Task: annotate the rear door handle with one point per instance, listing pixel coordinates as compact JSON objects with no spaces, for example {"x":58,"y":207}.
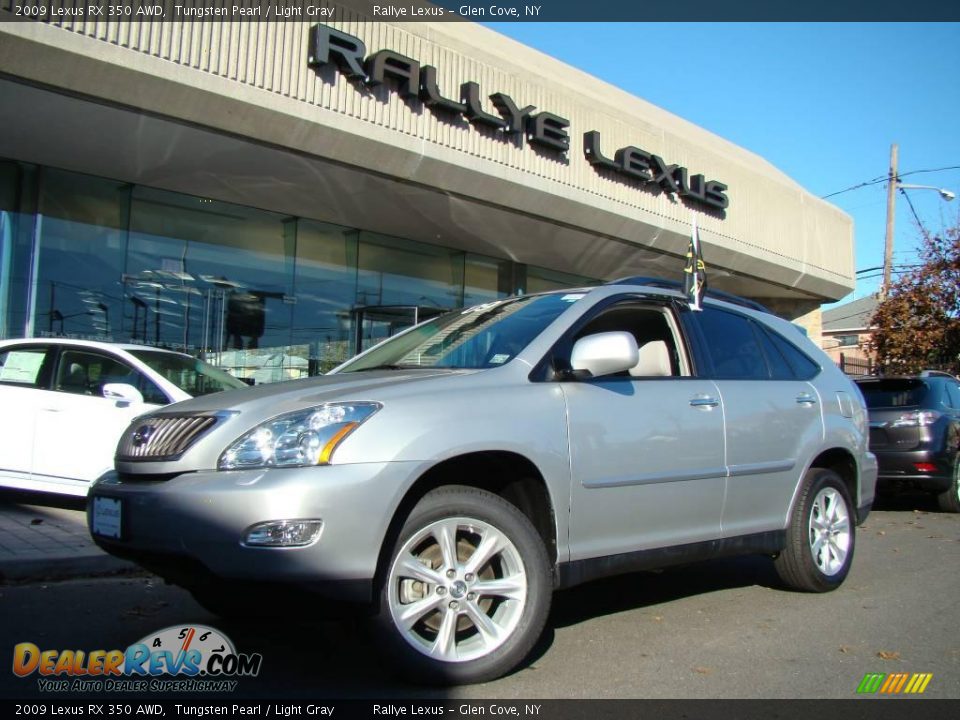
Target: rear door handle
{"x":806,"y":399}
{"x":706,"y":401}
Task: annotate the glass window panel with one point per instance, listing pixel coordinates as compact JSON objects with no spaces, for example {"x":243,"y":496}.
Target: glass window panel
{"x":481,"y":280}
{"x":542,"y":280}
{"x":213,"y":278}
{"x":395,"y":272}
{"x":326,"y":284}
{"x":78,"y":290}
{"x":733,"y":345}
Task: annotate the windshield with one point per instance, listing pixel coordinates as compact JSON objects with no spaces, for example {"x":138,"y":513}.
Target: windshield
{"x":894,"y":393}
{"x":193,"y":376}
{"x":484,"y":336}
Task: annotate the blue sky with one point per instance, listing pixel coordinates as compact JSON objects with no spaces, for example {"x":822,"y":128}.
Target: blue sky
{"x":821,"y":101}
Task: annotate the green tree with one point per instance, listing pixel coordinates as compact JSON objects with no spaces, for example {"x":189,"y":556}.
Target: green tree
{"x":918,"y":325}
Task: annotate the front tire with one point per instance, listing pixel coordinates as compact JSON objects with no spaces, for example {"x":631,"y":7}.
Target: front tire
{"x":467,"y":588}
{"x":821,"y":534}
{"x":949,"y":499}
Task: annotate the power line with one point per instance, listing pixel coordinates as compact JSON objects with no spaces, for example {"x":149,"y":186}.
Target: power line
{"x":885,"y":178}
{"x":914,"y":211}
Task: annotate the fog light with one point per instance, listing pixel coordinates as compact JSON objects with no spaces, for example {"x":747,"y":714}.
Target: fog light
{"x":925,"y":467}
{"x":283,"y":533}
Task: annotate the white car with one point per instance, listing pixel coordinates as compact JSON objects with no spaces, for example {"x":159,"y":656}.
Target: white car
{"x":64,"y":404}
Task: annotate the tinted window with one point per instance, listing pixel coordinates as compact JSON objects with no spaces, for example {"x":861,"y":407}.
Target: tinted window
{"x":894,"y":392}
{"x":780,"y":369}
{"x":953,"y":394}
{"x":22,"y":366}
{"x":733,"y":346}
{"x":803,"y":367}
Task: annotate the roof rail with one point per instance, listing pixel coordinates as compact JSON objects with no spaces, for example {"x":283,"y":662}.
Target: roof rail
{"x":935,"y":373}
{"x":677,"y":285}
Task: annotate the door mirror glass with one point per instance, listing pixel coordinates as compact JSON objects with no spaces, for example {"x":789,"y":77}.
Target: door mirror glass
{"x":123,"y":393}
{"x":604,"y":354}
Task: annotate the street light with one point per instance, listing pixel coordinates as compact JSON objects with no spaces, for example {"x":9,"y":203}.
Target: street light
{"x":894,"y":184}
{"x":945,"y":194}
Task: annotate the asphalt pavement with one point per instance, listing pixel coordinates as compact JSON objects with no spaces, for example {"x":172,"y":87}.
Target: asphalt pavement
{"x":719,"y":629}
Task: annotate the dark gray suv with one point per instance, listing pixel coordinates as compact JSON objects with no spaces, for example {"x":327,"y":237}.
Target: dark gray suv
{"x":915,"y":433}
{"x":453,"y":476}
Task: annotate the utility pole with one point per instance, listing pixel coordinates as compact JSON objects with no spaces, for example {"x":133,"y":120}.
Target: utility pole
{"x":892,"y":181}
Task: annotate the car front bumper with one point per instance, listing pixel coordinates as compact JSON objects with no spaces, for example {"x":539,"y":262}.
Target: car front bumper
{"x":194,"y":524}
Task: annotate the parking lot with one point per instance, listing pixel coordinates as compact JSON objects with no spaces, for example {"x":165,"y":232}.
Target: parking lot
{"x":722,"y":629}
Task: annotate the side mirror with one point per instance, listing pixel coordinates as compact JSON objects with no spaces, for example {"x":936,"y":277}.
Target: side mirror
{"x":122,"y":393}
{"x":604,"y":354}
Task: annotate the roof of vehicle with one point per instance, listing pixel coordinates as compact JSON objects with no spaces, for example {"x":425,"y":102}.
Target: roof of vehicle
{"x":128,"y":347}
{"x":677,"y":286}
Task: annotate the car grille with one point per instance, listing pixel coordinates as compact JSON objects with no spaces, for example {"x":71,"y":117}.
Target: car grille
{"x":162,"y":437}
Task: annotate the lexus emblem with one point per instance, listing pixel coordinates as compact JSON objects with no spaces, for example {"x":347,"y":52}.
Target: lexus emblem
{"x":141,"y":435}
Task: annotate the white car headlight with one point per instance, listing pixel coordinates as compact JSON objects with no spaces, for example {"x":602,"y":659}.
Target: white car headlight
{"x":297,"y":439}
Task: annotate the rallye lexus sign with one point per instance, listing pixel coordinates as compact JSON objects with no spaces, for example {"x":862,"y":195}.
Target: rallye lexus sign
{"x":545,"y":130}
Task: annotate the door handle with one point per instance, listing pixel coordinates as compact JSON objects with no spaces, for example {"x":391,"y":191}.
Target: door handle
{"x":704,"y":402}
{"x":806,"y":399}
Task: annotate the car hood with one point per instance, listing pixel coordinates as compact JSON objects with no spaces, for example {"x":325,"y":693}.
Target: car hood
{"x":275,"y":398}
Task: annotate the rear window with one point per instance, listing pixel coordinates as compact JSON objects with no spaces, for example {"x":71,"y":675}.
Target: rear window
{"x":894,"y":393}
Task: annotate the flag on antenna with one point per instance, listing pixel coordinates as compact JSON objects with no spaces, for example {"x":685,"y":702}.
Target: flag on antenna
{"x":695,"y":273}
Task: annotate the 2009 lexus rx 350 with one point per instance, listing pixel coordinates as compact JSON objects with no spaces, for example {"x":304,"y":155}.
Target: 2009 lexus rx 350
{"x":453,"y":476}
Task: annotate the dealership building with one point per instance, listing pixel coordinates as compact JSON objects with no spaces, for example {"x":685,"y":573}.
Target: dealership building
{"x":276,"y":196}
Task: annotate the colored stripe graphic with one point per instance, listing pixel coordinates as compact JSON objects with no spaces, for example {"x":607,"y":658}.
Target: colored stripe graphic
{"x":894,"y":683}
{"x":871,"y":682}
{"x":918,"y":683}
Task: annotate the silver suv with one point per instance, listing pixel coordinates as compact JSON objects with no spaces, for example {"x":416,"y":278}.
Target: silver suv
{"x":455,"y":475}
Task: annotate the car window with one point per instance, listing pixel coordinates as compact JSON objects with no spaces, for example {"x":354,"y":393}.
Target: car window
{"x":654,"y":330}
{"x":803,"y":367}
{"x":193,"y":376}
{"x":953,"y":395}
{"x":733,"y":345}
{"x":85,"y":373}
{"x":780,"y":368}
{"x":484,"y":336}
{"x":23,"y":366}
{"x":894,"y":392}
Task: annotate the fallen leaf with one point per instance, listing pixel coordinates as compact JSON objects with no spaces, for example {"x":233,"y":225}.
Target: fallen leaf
{"x":888,"y":655}
{"x":881,"y":532}
{"x":658,"y":618}
{"x":844,"y":649}
{"x":703,"y":670}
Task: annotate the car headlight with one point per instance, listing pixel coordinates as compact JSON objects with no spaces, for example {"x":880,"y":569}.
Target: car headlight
{"x":297,"y":439}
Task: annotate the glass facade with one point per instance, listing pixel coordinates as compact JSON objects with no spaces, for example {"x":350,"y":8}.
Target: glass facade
{"x":267,"y":296}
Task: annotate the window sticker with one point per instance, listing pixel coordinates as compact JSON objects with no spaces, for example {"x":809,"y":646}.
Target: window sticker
{"x":21,"y":367}
{"x":499,"y":359}
{"x":572,"y":297}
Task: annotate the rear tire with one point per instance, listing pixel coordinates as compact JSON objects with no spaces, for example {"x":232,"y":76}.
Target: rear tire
{"x":949,"y":499}
{"x":821,"y":534}
{"x":466,"y":589}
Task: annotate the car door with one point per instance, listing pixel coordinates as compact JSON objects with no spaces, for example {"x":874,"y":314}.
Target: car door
{"x":78,"y":428}
{"x":24,"y":372}
{"x":773,"y":418}
{"x":646,"y":451}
